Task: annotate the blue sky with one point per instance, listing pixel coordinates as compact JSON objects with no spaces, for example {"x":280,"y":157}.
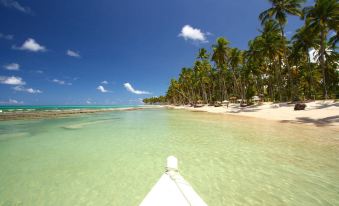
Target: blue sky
{"x":61,"y":52}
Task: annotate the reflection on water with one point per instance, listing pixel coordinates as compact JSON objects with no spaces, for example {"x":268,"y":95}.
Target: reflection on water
{"x":115,"y":158}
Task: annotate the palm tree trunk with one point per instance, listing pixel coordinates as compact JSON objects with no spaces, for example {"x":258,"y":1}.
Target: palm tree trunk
{"x":192,"y":93}
{"x":224,"y":89}
{"x":236,"y":86}
{"x":278,"y":78}
{"x":220,"y":85}
{"x":211,"y":92}
{"x":311,"y":75}
{"x":285,"y":61}
{"x":204,"y":92}
{"x":322,"y":59}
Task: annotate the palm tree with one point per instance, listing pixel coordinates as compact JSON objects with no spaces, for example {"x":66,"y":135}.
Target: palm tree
{"x":186,"y":84}
{"x":320,"y":19}
{"x":173,"y":93}
{"x":271,"y":50}
{"x":220,"y":55}
{"x":256,"y":64}
{"x":220,"y":51}
{"x":202,"y":55}
{"x":202,"y":69}
{"x":302,"y":43}
{"x":235,"y":59}
{"x":265,"y":67}
{"x":279,"y":10}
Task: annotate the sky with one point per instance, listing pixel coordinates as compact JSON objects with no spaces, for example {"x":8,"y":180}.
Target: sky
{"x":75,"y":52}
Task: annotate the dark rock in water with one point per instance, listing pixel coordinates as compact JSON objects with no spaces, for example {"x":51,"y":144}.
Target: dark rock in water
{"x":299,"y":106}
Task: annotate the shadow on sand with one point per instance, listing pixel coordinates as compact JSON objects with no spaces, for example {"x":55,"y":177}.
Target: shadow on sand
{"x":322,"y":106}
{"x":317,"y":122}
{"x":244,"y":110}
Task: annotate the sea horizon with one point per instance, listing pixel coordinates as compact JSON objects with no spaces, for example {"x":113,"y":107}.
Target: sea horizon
{"x":5,"y":108}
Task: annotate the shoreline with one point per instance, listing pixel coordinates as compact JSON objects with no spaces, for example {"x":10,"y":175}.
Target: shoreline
{"x":47,"y":114}
{"x":317,"y":113}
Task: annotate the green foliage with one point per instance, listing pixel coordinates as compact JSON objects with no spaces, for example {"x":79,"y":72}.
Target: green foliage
{"x":155,"y":100}
{"x":272,"y":66}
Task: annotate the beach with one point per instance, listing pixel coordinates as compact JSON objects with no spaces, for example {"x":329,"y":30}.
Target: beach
{"x":316,"y":113}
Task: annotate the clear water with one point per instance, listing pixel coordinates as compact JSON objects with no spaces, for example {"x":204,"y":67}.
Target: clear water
{"x":115,"y":158}
{"x":29,"y":108}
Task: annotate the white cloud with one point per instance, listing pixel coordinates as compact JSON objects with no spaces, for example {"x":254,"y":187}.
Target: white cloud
{"x":31,"y":45}
{"x":61,"y":82}
{"x":28,"y":90}
{"x":190,"y":33}
{"x":130,"y":88}
{"x":73,"y":53}
{"x":11,"y":101}
{"x":6,"y":36}
{"x":88,"y":101}
{"x":314,"y":54}
{"x":15,"y":5}
{"x":102,"y":89}
{"x":12,"y":66}
{"x":11,"y":80}
{"x":58,"y":81}
{"x":104,"y":82}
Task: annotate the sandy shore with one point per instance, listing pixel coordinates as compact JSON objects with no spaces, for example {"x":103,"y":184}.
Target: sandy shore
{"x":18,"y":115}
{"x":317,"y":113}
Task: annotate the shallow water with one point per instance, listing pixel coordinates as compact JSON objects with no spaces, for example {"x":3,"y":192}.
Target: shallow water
{"x":115,"y":158}
{"x":30,"y":108}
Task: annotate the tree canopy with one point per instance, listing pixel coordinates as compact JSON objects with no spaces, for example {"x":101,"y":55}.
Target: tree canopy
{"x":274,"y":67}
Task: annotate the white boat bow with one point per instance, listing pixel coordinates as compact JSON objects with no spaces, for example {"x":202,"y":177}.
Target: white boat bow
{"x":172,"y":189}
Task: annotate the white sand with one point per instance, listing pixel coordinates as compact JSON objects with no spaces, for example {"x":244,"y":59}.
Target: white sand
{"x":317,"y":113}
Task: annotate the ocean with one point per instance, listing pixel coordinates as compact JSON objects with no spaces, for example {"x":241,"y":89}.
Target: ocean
{"x":29,"y":108}
{"x":114,"y":158}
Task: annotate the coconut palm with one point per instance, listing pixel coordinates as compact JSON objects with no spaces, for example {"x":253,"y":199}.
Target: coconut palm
{"x":202,"y":69}
{"x":220,"y":51}
{"x":271,"y":66}
{"x":220,"y":55}
{"x":279,"y":11}
{"x":303,"y":42}
{"x":322,"y":17}
{"x":271,"y":49}
{"x":186,"y":83}
{"x":202,"y":55}
{"x":235,"y":59}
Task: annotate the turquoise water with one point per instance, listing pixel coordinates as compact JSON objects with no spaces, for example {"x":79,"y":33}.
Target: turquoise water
{"x":115,"y":158}
{"x":14,"y":108}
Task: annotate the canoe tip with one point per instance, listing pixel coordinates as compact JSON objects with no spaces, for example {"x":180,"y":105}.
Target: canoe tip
{"x":172,"y":164}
